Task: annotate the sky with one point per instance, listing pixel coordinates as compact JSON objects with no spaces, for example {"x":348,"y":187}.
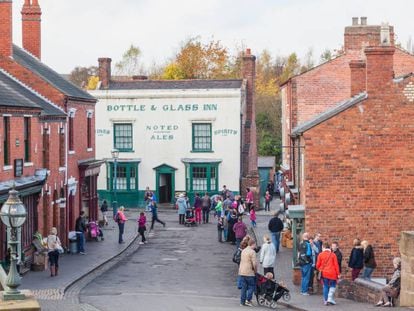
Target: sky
{"x":78,"y":32}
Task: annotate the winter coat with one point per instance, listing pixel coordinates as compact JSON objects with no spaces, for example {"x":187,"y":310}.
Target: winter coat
{"x":328,"y":265}
{"x":339,"y":258}
{"x":198,"y":203}
{"x":240,"y":229}
{"x":369,"y":258}
{"x":268,"y":255}
{"x":182,"y":205}
{"x":275,"y":224}
{"x":252,"y":215}
{"x":142,"y":220}
{"x":356,"y":259}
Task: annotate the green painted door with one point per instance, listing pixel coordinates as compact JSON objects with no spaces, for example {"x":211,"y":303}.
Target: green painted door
{"x":165,"y":183}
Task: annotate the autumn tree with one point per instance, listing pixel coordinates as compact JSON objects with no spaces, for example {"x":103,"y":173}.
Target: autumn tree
{"x":80,"y":75}
{"x":197,"y":60}
{"x":131,"y":62}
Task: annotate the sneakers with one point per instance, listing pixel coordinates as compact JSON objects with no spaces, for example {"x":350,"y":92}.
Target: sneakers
{"x":305,"y":294}
{"x":387,"y":304}
{"x":141,"y":243}
{"x":248,"y":303}
{"x":82,"y":253}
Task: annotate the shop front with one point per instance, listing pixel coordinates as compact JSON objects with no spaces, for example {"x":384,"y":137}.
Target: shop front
{"x":89,"y":171}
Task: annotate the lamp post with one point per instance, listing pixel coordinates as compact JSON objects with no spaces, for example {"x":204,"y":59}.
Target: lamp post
{"x":115,"y":155}
{"x":13,"y":215}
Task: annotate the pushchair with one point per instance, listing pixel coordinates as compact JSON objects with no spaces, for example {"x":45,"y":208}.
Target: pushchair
{"x":190,"y":217}
{"x":95,"y":232}
{"x":268,"y":291}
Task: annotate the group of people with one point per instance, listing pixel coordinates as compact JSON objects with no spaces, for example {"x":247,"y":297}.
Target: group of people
{"x":326,"y":259}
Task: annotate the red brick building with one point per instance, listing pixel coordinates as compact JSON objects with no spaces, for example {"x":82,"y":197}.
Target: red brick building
{"x":62,"y":144}
{"x":356,"y":168}
{"x":309,"y":94}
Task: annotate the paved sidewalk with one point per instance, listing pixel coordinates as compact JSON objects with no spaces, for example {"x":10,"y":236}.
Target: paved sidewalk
{"x":283,"y":271}
{"x":74,"y":267}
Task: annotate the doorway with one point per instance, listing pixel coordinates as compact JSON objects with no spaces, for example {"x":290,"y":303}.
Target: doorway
{"x":165,"y":183}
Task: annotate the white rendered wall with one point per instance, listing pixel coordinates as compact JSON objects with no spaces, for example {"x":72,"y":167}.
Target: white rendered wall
{"x":149,"y":109}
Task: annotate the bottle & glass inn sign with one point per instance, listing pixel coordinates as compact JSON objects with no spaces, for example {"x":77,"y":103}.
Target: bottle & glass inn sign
{"x":158,"y":108}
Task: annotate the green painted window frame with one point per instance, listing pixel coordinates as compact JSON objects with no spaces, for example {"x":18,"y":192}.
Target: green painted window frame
{"x":6,"y":140}
{"x":27,"y":132}
{"x":209,"y":167}
{"x":131,"y":149}
{"x":129,"y":168}
{"x":194,"y":137}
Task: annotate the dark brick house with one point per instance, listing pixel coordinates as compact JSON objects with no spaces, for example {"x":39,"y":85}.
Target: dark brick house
{"x":63,"y":143}
{"x":356,"y":171}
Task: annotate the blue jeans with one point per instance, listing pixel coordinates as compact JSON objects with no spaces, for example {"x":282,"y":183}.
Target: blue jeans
{"x":80,"y":236}
{"x":253,"y":223}
{"x":226,"y":234}
{"x":121,"y":232}
{"x":367,"y":273}
{"x":238,"y":241}
{"x":248,"y":284}
{"x":276,"y":240}
{"x":327,"y":283}
{"x":306,"y":272}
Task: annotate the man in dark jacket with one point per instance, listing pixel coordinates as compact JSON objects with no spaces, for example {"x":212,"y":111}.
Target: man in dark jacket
{"x":338,"y":253}
{"x":275,"y":227}
{"x":80,"y":228}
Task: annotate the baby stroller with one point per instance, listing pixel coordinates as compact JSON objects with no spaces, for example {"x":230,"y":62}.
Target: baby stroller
{"x":190,"y":217}
{"x":268,"y":292}
{"x":95,"y":231}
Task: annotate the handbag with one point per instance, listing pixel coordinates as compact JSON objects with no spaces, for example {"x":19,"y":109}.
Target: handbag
{"x":60,"y":249}
{"x":319,"y":274}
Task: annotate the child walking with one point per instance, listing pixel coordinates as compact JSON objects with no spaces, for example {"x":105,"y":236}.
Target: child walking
{"x":268,"y":198}
{"x":220,"y":228}
{"x":142,"y":220}
{"x":253,"y":217}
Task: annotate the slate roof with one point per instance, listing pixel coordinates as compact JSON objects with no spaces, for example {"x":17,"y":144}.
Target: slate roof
{"x":329,"y":113}
{"x":175,"y":84}
{"x":13,"y":93}
{"x":46,"y":73}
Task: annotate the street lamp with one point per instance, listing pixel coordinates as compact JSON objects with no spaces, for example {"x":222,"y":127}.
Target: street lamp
{"x":13,"y":215}
{"x":115,"y":155}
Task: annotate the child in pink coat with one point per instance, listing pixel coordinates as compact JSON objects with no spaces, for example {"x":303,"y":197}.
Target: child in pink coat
{"x":253,"y":217}
{"x":142,"y":220}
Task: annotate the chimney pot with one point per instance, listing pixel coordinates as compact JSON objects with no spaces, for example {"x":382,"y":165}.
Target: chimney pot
{"x":364,"y":21}
{"x":355,"y":21}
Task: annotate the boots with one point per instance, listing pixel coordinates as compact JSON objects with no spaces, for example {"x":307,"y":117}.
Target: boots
{"x":331,"y":295}
{"x":52,"y":270}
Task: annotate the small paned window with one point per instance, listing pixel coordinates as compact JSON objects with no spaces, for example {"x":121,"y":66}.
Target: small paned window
{"x":202,"y":137}
{"x":123,"y":137}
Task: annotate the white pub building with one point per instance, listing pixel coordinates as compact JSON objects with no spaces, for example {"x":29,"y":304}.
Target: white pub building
{"x":173,"y":136}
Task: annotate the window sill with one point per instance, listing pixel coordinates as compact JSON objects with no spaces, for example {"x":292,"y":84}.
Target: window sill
{"x":202,"y":151}
{"x":89,"y":149}
{"x":71,"y":152}
{"x":7,"y":167}
{"x":126,"y":151}
{"x":62,"y":169}
{"x":27,"y":164}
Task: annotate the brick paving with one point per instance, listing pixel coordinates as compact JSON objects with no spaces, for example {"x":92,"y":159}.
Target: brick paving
{"x":283,"y":271}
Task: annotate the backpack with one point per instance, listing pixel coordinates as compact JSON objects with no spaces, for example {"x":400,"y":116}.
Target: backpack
{"x":237,"y":256}
{"x":303,"y":258}
{"x":117,"y":218}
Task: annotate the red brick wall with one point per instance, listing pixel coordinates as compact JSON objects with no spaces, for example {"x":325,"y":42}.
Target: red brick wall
{"x":6,"y":28}
{"x":360,"y":175}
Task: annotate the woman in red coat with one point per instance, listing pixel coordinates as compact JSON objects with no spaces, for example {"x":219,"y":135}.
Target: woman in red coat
{"x":328,"y":265}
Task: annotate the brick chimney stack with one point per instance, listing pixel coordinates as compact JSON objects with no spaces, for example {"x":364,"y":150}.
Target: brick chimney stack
{"x":360,"y":35}
{"x":6,"y":38}
{"x":31,"y":27}
{"x":380,"y":68}
{"x":249,"y":141}
{"x":358,"y":76}
{"x":104,"y":71}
